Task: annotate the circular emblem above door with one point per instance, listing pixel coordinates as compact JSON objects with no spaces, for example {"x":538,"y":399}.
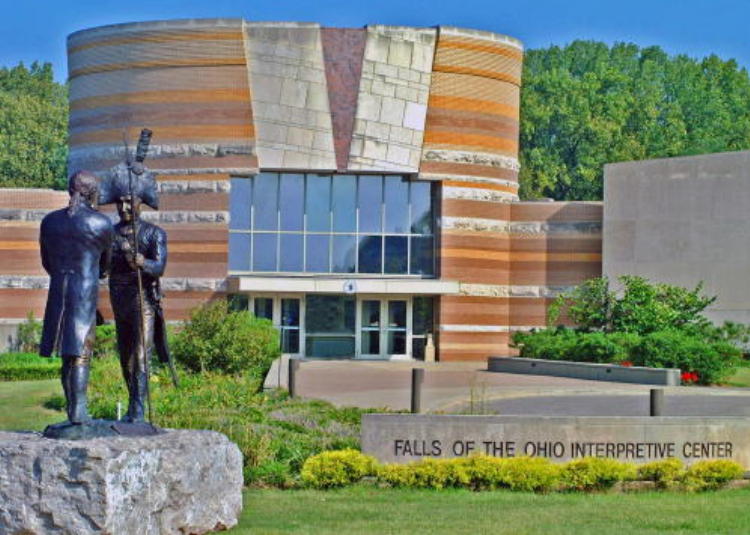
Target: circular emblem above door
{"x":350,"y":287}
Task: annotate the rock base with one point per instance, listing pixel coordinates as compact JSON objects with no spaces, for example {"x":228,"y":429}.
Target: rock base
{"x":179,"y":481}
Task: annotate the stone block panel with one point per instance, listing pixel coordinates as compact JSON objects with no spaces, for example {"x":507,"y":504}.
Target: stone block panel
{"x":392,"y":100}
{"x":290,"y":96}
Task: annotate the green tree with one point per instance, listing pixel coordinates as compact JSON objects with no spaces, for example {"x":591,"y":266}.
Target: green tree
{"x":33,"y":128}
{"x":587,"y":104}
{"x":638,"y":306}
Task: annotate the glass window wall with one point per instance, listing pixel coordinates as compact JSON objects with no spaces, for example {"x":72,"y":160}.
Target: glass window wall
{"x":311,"y":223}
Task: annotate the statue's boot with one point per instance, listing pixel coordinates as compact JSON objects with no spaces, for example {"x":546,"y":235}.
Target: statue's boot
{"x":78,"y":412}
{"x":65,"y":379}
{"x":137,"y":388}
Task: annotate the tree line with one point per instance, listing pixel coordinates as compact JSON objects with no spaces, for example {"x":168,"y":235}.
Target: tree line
{"x":33,"y":128}
{"x":587,"y":104}
{"x":582,"y":105}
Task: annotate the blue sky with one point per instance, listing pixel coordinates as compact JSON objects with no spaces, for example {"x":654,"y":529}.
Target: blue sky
{"x":36,"y":29}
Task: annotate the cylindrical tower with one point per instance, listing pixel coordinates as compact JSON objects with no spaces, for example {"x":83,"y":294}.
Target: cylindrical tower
{"x":471,"y":146}
{"x":404,"y":139}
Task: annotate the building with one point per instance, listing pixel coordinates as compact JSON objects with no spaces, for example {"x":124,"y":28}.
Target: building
{"x":358,"y":187}
{"x":683,"y":221}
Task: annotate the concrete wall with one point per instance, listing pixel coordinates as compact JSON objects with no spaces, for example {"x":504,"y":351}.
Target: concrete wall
{"x":682,"y":221}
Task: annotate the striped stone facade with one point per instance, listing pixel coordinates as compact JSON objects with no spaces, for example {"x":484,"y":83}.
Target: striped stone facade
{"x":512,"y":260}
{"x":231,"y":98}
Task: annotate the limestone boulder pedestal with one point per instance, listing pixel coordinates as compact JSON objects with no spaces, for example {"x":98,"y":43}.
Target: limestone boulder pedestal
{"x":180,"y":481}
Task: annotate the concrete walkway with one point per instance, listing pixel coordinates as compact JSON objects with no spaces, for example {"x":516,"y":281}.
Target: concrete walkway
{"x":469,"y":388}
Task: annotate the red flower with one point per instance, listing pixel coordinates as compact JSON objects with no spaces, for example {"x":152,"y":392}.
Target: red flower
{"x":689,"y":377}
{"x":626,"y":363}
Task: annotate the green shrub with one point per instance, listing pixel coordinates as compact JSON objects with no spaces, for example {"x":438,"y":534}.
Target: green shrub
{"x":337,"y":468}
{"x":29,"y":335}
{"x":639,"y":306}
{"x":216,"y":339}
{"x":106,"y":341}
{"x":562,"y":343}
{"x":598,"y":347}
{"x":712,"y":361}
{"x":276,"y":434}
{"x":711,"y":474}
{"x":550,"y":344}
{"x":535,"y":474}
{"x":28,"y":367}
{"x":665,"y":473}
{"x":653,"y":325}
{"x":593,"y":473}
{"x":271,"y":473}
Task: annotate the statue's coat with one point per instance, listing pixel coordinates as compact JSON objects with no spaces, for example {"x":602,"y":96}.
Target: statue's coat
{"x":76,"y":252}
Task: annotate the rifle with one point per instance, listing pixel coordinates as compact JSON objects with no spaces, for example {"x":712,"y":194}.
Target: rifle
{"x":137,"y":168}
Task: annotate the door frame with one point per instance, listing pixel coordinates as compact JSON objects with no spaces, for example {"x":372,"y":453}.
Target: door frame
{"x":384,"y":300}
{"x":277,"y":316}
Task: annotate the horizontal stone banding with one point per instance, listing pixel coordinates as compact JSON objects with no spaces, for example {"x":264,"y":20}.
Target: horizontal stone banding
{"x":469,"y":170}
{"x":486,"y":142}
{"x":184,"y":133}
{"x":501,"y":67}
{"x":475,"y":209}
{"x":477,"y":120}
{"x":184,"y":62}
{"x":516,"y":256}
{"x":188,"y":96}
{"x":480,"y":194}
{"x":161,"y":80}
{"x":475,"y":90}
{"x":481,"y":46}
{"x":558,"y":211}
{"x":157,"y":116}
{"x":473,"y":105}
{"x":154,"y":37}
{"x":454,"y":69}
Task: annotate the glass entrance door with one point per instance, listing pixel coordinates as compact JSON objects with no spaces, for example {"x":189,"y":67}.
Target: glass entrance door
{"x":383,"y":328}
{"x":397,"y":329}
{"x":284,"y":313}
{"x":370,"y":328}
{"x":290,"y":326}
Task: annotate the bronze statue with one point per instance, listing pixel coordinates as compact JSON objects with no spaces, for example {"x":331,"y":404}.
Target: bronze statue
{"x":79,"y":246}
{"x":76,"y":247}
{"x":137,"y":306}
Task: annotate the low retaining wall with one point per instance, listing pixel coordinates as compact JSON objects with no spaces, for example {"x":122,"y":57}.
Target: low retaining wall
{"x":586,"y":370}
{"x":401,"y":438}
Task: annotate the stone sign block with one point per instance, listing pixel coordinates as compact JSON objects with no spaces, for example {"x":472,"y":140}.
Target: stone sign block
{"x":401,"y":438}
{"x":178,"y":482}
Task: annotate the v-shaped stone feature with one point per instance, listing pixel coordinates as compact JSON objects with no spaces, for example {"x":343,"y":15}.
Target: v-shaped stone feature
{"x":343,"y":50}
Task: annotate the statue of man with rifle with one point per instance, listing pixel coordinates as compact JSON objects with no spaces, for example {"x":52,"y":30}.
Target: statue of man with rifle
{"x":139,"y":257}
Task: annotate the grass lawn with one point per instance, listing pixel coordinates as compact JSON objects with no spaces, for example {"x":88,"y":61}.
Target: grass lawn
{"x":741,"y":377}
{"x":364,"y":510}
{"x":21,"y":404}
